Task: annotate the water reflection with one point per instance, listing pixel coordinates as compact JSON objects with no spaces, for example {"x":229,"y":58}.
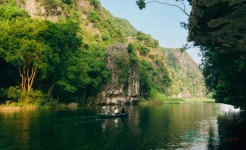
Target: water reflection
{"x":170,"y":126}
{"x":232,"y":129}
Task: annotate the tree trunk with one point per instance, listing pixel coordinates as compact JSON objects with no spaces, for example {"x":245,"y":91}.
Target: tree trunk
{"x":27,"y":74}
{"x":51,"y":90}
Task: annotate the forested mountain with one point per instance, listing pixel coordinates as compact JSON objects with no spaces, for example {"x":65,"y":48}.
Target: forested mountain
{"x":54,"y":51}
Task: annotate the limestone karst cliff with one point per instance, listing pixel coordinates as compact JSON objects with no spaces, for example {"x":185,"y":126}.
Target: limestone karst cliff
{"x":219,"y":23}
{"x":127,"y":89}
{"x":219,"y":27}
{"x":126,"y":73}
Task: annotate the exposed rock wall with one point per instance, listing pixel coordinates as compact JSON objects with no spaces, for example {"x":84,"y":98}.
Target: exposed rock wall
{"x":124,"y":84}
{"x":219,"y":23}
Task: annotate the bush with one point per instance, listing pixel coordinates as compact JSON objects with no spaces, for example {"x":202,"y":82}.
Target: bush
{"x":12,"y":12}
{"x":51,"y":3}
{"x":15,"y":94}
{"x":36,"y":97}
{"x":144,"y":50}
{"x":94,"y":17}
{"x":152,"y":56}
{"x":69,"y":2}
{"x":95,"y":3}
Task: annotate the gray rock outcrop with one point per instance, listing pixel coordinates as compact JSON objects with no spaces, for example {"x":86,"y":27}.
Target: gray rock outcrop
{"x":219,"y":23}
{"x":124,"y":85}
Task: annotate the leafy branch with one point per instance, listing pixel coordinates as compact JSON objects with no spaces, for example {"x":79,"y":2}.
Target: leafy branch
{"x":142,"y":4}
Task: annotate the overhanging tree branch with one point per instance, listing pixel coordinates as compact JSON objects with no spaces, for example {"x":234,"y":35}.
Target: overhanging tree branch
{"x":141,"y":4}
{"x":183,"y":5}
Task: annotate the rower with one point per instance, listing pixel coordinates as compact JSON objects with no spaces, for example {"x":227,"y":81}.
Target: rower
{"x":104,"y":110}
{"x":123,"y":110}
{"x":116,"y":111}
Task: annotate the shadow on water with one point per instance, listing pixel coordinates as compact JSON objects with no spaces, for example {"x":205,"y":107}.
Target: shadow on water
{"x":232,"y":128}
{"x":230,"y":133}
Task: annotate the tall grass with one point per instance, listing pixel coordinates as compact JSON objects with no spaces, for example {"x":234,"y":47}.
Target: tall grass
{"x":157,"y":98}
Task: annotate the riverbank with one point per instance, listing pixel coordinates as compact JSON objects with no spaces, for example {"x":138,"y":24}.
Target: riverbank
{"x":160,"y":99}
{"x":156,"y":100}
{"x":18,"y":106}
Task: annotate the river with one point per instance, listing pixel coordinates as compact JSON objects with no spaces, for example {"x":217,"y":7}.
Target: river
{"x":169,"y":126}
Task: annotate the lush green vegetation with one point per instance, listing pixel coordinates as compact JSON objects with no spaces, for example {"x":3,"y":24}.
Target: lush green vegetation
{"x":224,"y":72}
{"x":224,"y":75}
{"x":49,"y":60}
{"x":158,"y":99}
{"x":186,"y":75}
{"x":63,"y":60}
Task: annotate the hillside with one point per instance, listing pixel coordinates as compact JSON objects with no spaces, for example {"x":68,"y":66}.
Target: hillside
{"x":67,"y":37}
{"x":188,"y":80}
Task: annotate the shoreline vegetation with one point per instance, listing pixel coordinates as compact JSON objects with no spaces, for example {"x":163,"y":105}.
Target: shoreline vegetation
{"x":157,"y":100}
{"x":18,"y":106}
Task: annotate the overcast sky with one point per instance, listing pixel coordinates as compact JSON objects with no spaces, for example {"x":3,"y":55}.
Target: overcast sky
{"x":162,"y":22}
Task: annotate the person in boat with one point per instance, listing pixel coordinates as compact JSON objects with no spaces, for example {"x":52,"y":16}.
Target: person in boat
{"x":116,"y":111}
{"x":104,"y":110}
{"x":123,"y":110}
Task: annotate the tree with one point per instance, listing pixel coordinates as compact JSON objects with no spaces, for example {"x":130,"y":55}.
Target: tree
{"x":224,"y":75}
{"x":20,"y":45}
{"x":67,"y":72}
{"x":97,"y":72}
{"x":12,"y":12}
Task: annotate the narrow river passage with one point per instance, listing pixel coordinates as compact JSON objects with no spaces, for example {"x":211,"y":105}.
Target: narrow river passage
{"x":167,"y":126}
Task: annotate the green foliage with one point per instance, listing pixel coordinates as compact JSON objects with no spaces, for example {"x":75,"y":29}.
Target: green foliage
{"x":156,"y":43}
{"x":125,"y":26}
{"x":74,"y":15}
{"x":141,"y":4}
{"x":67,"y":69}
{"x":145,"y":79}
{"x":94,"y":17}
{"x":12,"y":12}
{"x":184,"y":74}
{"x":22,"y":47}
{"x":35,"y":97}
{"x":123,"y":64}
{"x":12,"y":2}
{"x":15,"y":94}
{"x":95,"y":3}
{"x":144,"y":50}
{"x":97,"y":70}
{"x":52,"y":3}
{"x":152,"y":56}
{"x":147,"y":39}
{"x":69,"y":2}
{"x":105,"y":36}
{"x":141,"y":36}
{"x":224,"y":75}
{"x":132,"y":48}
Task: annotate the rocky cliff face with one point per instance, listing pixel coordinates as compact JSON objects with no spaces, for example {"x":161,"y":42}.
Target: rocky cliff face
{"x":189,"y":81}
{"x":219,"y":23}
{"x":124,"y":84}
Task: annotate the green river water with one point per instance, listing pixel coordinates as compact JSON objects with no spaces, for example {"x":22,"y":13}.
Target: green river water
{"x":169,"y":126}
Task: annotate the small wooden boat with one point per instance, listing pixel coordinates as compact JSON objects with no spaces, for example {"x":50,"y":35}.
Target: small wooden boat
{"x":112,"y":115}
